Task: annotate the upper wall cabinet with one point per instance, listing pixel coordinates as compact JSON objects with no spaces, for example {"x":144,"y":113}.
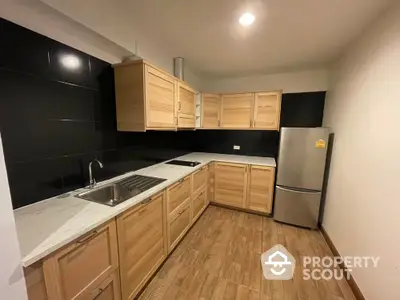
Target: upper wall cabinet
{"x":251,"y":111}
{"x":186,"y":106}
{"x":148,"y":98}
{"x":237,"y":111}
{"x":210,"y":111}
{"x":267,"y":110}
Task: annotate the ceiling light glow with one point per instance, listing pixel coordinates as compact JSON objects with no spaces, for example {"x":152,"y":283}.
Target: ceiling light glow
{"x":247,"y":19}
{"x":71,"y":62}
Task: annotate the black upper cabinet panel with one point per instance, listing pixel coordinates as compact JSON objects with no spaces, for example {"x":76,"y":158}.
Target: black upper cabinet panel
{"x":69,"y":65}
{"x":101,"y":74}
{"x":23,"y":50}
{"x":303,"y":109}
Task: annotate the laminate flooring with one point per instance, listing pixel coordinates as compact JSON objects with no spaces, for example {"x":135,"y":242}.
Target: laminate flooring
{"x":219,"y":258}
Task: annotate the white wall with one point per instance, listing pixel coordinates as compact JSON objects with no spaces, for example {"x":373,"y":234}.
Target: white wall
{"x":12,"y":282}
{"x":293,"y":82}
{"x":363,"y":201}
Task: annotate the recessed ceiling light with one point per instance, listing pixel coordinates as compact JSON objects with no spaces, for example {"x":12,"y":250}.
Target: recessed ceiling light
{"x":247,"y":19}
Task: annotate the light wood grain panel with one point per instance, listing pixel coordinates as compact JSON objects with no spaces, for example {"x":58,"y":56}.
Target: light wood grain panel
{"x":267,"y":110}
{"x":210,"y":111}
{"x":179,"y":223}
{"x":186,"y":106}
{"x":129,"y":97}
{"x":141,"y":244}
{"x":200,"y":179}
{"x":81,"y":266}
{"x":230,"y":184}
{"x":237,"y":110}
{"x":261,"y":188}
{"x":35,"y":284}
{"x":160,"y":99}
{"x":108,"y":290}
{"x":199,"y":204}
{"x":211,"y":180}
{"x":178,"y":193}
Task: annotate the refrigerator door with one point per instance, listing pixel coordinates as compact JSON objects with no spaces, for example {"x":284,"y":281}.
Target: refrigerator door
{"x":302,"y":155}
{"x":297,"y":207}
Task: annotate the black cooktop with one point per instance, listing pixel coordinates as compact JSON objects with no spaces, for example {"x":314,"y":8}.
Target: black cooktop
{"x":183,"y":163}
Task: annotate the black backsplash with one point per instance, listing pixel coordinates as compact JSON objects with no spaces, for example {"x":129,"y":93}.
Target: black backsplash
{"x":54,"y":121}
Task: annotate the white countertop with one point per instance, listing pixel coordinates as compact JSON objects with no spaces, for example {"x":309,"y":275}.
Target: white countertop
{"x":46,"y":226}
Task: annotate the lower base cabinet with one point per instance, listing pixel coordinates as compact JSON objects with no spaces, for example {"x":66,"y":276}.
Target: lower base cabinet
{"x":141,"y":244}
{"x":260,"y":189}
{"x":108,"y":290}
{"x":179,"y":223}
{"x":199,"y":204}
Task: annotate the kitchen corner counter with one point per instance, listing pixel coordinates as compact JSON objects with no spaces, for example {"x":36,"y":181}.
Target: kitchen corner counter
{"x":46,"y":226}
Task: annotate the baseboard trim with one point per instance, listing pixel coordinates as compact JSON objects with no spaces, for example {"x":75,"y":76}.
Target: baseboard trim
{"x":352,"y":283}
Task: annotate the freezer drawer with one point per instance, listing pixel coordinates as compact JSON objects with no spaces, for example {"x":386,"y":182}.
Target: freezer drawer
{"x":297,"y":207}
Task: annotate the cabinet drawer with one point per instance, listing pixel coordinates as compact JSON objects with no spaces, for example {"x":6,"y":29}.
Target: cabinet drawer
{"x":108,"y":289}
{"x":141,"y":244}
{"x":199,"y":202}
{"x":199,"y":179}
{"x":178,"y":193}
{"x":82,"y":265}
{"x":178,"y":224}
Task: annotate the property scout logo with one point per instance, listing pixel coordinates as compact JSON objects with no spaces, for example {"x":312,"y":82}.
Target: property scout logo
{"x":278,"y":264}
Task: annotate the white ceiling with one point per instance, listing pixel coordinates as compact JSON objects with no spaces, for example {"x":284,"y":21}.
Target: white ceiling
{"x":287,"y":34}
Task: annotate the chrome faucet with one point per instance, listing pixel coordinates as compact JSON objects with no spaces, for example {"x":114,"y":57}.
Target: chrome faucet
{"x":92,"y":181}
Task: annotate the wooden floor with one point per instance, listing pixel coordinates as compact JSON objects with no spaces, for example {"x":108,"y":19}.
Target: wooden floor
{"x":220,"y":259}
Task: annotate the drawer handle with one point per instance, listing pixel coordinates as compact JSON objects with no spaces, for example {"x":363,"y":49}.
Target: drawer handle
{"x":101,"y":290}
{"x":181,"y":212}
{"x":182,"y":180}
{"x":147,"y":201}
{"x":88,"y":237}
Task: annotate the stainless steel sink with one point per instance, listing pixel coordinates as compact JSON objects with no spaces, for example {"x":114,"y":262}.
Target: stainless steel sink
{"x":120,"y":191}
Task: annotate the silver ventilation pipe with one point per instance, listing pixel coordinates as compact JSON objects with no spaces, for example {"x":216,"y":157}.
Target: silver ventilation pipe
{"x":178,"y":68}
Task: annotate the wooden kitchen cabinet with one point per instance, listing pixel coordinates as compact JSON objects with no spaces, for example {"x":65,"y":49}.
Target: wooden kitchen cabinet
{"x":230,"y":184}
{"x":237,"y":111}
{"x":79,"y":268}
{"x":199,"y":204}
{"x":178,"y":193}
{"x":210,"y":111}
{"x":35,"y":284}
{"x":200,"y":179}
{"x":186,"y":106}
{"x":148,"y":98}
{"x":267,"y":110}
{"x":141,"y":244}
{"x":260,"y":188}
{"x":108,"y":290}
{"x":178,"y":224}
{"x":211,"y":180}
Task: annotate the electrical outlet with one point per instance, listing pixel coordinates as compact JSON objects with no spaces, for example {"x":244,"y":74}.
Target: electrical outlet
{"x":236,"y":147}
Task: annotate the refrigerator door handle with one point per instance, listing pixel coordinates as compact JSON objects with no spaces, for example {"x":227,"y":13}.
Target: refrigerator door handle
{"x":297,"y":191}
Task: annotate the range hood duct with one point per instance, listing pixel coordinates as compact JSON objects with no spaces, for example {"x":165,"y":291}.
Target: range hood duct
{"x":178,"y":68}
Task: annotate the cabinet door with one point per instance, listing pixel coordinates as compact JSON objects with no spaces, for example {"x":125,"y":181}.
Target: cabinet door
{"x":211,"y":180}
{"x":186,"y":107}
{"x":199,"y":179}
{"x":261,"y":188}
{"x":210,"y":110}
{"x":179,"y":224}
{"x":141,"y":244}
{"x":160,"y":99}
{"x":108,"y":290}
{"x":178,"y":193}
{"x":230,"y":184}
{"x":199,"y":203}
{"x":81,"y":266}
{"x":237,"y":110}
{"x":267,"y":110}
{"x":35,"y":284}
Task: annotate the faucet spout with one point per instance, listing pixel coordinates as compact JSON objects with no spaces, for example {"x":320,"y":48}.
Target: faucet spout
{"x":92,"y":180}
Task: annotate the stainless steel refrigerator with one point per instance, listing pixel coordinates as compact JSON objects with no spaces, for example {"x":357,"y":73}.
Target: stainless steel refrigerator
{"x":301,"y":167}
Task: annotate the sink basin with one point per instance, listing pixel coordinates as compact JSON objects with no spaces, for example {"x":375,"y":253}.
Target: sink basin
{"x":121,"y":191}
